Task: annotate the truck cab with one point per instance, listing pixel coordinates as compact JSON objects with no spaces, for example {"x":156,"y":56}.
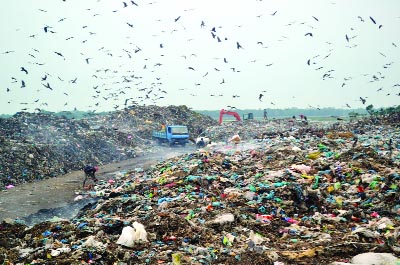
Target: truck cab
{"x":173,"y":134}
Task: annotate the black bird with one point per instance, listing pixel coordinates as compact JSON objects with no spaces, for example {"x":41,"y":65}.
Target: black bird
{"x":348,"y":105}
{"x":373,"y":20}
{"x":225,"y":61}
{"x":260,"y":96}
{"x":176,"y":19}
{"x":73,"y":81}
{"x":273,"y":14}
{"x":238,"y":46}
{"x":308,"y":34}
{"x":315,"y":18}
{"x":24,"y":70}
{"x":161,"y":45}
{"x":87,"y":60}
{"x":361,"y":19}
{"x":309,"y":61}
{"x":22,"y":83}
{"x":46,"y":28}
{"x":60,"y":54}
{"x":133,"y":3}
{"x":222,"y":82}
{"x":191,"y":68}
{"x":125,"y":4}
{"x":202,"y":25}
{"x":8,"y":90}
{"x":47,"y":86}
{"x":130,"y":25}
{"x":362,"y":100}
{"x":44,"y":78}
{"x":347,"y":38}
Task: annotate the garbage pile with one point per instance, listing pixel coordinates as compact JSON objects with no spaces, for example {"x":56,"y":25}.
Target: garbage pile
{"x":284,"y":200}
{"x":38,"y":146}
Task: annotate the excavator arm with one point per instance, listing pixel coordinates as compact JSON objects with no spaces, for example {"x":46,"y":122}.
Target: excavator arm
{"x":227,"y":112}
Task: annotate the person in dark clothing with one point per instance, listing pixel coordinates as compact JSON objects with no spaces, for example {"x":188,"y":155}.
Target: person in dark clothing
{"x":90,"y":172}
{"x":201,"y":143}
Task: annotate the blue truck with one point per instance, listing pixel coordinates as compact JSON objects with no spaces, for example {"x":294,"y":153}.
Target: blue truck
{"x":173,"y":134}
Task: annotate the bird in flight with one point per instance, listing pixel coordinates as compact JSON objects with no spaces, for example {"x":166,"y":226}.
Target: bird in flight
{"x":48,"y":86}
{"x":260,"y":97}
{"x":373,"y":20}
{"x":60,"y":54}
{"x":363,"y":100}
{"x":308,"y":34}
{"x":24,"y":70}
{"x":238,"y":46}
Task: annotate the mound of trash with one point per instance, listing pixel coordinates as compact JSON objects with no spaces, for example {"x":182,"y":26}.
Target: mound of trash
{"x":35,"y":146}
{"x":279,"y":200}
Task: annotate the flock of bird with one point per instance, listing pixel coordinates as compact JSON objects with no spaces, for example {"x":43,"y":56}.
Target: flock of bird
{"x":125,"y":86}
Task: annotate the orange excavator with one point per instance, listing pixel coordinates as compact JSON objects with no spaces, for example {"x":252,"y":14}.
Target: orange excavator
{"x":228,"y":112}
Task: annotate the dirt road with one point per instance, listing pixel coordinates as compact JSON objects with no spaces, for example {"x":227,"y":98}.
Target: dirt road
{"x":53,"y":196}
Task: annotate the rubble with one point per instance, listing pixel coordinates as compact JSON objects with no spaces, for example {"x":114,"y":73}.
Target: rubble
{"x":259,"y":201}
{"x":38,"y":146}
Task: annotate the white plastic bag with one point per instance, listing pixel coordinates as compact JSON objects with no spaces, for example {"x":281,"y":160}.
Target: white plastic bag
{"x":131,"y":235}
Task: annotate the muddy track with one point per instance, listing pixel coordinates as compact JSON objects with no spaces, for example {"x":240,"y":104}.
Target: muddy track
{"x":59,"y":192}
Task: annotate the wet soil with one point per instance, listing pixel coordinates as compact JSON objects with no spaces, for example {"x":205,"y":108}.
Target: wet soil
{"x":52,"y":197}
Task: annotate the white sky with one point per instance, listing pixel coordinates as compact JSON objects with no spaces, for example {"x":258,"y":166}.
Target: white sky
{"x":370,"y":60}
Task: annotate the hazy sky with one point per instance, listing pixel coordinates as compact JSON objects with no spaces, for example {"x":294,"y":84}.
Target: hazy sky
{"x":99,"y":54}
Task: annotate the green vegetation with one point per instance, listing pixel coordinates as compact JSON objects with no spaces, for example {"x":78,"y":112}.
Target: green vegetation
{"x":75,"y":114}
{"x":318,"y":114}
{"x":382,"y":111}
